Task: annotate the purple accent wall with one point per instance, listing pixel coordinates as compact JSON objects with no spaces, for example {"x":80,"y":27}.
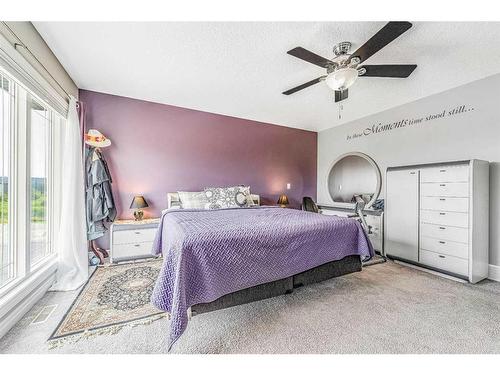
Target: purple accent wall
{"x":159,"y":148}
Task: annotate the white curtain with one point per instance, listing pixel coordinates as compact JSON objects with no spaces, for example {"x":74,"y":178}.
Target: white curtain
{"x":71,"y":242}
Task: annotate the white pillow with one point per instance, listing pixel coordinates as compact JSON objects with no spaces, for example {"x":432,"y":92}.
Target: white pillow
{"x":193,"y":199}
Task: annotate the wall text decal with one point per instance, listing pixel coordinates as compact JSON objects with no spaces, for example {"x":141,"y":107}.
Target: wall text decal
{"x":407,"y":122}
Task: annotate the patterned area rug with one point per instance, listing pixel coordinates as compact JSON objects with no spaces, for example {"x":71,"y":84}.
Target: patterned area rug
{"x":113,"y":297}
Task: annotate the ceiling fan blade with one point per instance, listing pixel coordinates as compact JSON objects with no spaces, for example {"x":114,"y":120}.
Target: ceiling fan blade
{"x":385,"y":35}
{"x":341,"y":95}
{"x":304,"y":85}
{"x":309,"y":56}
{"x":394,"y":71}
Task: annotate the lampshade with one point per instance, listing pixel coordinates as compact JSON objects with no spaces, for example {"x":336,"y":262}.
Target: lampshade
{"x":283,"y":200}
{"x":139,"y":202}
{"x":341,"y":79}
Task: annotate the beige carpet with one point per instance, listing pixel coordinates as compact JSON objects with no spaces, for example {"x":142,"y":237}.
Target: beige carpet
{"x":386,"y":308}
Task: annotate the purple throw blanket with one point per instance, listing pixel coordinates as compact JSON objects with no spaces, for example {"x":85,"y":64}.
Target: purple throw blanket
{"x":210,"y":253}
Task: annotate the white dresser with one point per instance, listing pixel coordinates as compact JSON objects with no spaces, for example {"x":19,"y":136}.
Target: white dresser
{"x":436,"y":216}
{"x":132,"y":239}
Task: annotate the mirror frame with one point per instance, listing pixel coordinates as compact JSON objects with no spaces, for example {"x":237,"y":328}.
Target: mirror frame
{"x":378,"y":189}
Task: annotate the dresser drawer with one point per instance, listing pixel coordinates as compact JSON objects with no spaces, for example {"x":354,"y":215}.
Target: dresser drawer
{"x":444,"y":189}
{"x":131,"y":250}
{"x":453,"y":173}
{"x":444,"y":262}
{"x":444,"y":204}
{"x":445,"y":232}
{"x":454,"y":219}
{"x":133,"y":236}
{"x":456,"y":249}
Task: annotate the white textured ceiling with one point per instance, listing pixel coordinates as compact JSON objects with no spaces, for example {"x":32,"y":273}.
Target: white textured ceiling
{"x":240,"y":69}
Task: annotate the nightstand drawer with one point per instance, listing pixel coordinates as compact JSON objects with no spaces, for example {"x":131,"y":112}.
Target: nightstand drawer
{"x":131,"y":250}
{"x":133,"y":236}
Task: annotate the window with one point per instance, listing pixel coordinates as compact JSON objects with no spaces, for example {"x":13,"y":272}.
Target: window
{"x":6,"y":253}
{"x":39,"y":166}
{"x":27,"y":213}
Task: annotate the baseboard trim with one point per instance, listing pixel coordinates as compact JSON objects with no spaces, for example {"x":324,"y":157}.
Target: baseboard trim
{"x":16,"y":314}
{"x":494,"y":272}
{"x":444,"y":275}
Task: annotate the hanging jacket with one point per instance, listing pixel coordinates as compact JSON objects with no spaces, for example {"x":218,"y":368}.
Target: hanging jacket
{"x":100,"y":205}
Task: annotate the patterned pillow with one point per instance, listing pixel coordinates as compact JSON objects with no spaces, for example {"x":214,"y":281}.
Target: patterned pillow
{"x":228,"y":197}
{"x":193,"y":199}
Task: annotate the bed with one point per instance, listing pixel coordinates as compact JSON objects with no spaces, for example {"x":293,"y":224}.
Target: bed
{"x":219,"y":258}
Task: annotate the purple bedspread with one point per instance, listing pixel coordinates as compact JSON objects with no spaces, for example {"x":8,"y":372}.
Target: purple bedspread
{"x":210,"y":253}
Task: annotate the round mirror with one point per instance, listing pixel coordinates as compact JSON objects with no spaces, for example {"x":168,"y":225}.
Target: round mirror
{"x":354,"y":174}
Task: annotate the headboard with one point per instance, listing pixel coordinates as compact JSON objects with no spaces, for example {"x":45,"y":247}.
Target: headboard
{"x":174,"y":201}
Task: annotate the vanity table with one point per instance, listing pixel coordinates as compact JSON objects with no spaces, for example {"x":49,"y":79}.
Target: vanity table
{"x":374,"y":218}
{"x":356,"y":175}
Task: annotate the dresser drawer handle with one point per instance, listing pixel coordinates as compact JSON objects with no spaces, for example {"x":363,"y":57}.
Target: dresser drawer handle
{"x":137,"y":232}
{"x":442,"y":242}
{"x":442,"y":256}
{"x":442,"y":228}
{"x":442,"y":199}
{"x":442,"y":213}
{"x":442,"y":184}
{"x":442,"y":170}
{"x":137,"y":245}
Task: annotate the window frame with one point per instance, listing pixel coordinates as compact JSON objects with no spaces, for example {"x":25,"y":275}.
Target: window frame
{"x":11,"y":192}
{"x":20,"y":189}
{"x":49,"y":164}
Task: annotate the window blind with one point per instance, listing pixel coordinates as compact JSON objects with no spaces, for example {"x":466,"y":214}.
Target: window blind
{"x":15,"y":64}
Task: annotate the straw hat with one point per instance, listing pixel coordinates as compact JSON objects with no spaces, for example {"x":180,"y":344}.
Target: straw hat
{"x":95,"y":138}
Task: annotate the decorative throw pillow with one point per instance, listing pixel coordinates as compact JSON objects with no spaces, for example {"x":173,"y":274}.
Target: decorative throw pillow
{"x":193,"y":199}
{"x":227,"y":197}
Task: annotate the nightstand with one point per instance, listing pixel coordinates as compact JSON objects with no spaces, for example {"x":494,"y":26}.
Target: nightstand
{"x":132,"y":239}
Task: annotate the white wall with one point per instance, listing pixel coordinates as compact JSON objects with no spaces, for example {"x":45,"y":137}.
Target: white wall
{"x":474,"y":133}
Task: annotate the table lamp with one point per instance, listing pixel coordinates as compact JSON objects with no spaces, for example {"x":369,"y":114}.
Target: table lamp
{"x":137,"y":203}
{"x":283,"y":201}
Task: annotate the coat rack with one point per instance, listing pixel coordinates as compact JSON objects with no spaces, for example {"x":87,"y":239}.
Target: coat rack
{"x":96,"y":140}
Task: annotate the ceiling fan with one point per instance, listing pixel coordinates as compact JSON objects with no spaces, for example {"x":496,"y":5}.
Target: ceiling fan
{"x":343,"y":70}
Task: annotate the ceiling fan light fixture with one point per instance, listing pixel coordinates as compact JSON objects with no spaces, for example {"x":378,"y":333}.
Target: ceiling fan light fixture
{"x":341,"y":79}
{"x":343,"y":69}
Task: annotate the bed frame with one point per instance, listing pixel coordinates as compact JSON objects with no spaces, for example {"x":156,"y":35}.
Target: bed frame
{"x":349,"y":264}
